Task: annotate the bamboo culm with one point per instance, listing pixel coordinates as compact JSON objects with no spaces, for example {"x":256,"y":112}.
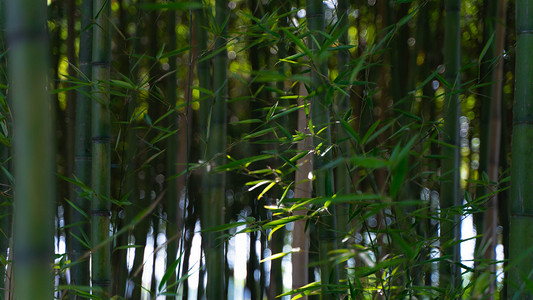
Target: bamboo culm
{"x":101,"y":151}
{"x":33,"y":153}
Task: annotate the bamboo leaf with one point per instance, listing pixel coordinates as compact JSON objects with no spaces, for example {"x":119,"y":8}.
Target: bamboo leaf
{"x":258,"y":133}
{"x":275,"y":256}
{"x":287,"y":188}
{"x":283,"y":221}
{"x":370,"y":131}
{"x":171,"y":269}
{"x":349,"y":130}
{"x":298,"y":42}
{"x":171,"y":5}
{"x":369,"y":162}
{"x":271,"y":111}
{"x":266,"y":189}
{"x":224,"y":227}
{"x":398,"y":176}
{"x":245,"y":162}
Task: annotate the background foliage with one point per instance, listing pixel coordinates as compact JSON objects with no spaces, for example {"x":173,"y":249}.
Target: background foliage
{"x":263,"y":149}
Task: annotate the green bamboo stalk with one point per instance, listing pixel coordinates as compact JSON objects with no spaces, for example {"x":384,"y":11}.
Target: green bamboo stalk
{"x":101,"y":151}
{"x":504,"y":196}
{"x":258,"y":61}
{"x":490,"y":143}
{"x":214,"y":183}
{"x":320,"y":117}
{"x":450,"y":196}
{"x":343,"y":179}
{"x":155,"y":110}
{"x":342,"y":102}
{"x":136,"y":183}
{"x":122,"y":182}
{"x":82,"y":156}
{"x":277,"y":241}
{"x":489,"y":16}
{"x":34,"y":155}
{"x":419,"y":74}
{"x":521,"y":212}
{"x":204,"y":74}
{"x":173,"y":192}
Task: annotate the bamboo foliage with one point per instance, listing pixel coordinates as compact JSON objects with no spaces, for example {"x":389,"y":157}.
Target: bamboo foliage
{"x":342,"y":188}
{"x":33,"y":162}
{"x":101,"y":151}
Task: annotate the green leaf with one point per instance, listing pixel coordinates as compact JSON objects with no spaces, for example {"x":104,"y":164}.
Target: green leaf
{"x":486,"y":48}
{"x":258,"y":133}
{"x":171,"y":5}
{"x":369,"y":162}
{"x":298,"y":42}
{"x":224,"y":226}
{"x":271,"y":111}
{"x":286,"y":112}
{"x":275,"y":256}
{"x":248,"y":121}
{"x":398,"y":177}
{"x":349,"y":130}
{"x":245,"y":162}
{"x":350,"y":198}
{"x":370,"y":131}
{"x":175,"y":52}
{"x":266,"y":189}
{"x":284,"y":193}
{"x":169,"y":272}
{"x":283,"y":221}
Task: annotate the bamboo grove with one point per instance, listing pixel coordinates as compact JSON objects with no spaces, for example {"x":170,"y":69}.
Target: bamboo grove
{"x":310,"y":149}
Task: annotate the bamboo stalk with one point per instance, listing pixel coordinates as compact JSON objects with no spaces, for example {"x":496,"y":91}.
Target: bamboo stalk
{"x":174,"y":186}
{"x":320,"y":117}
{"x":343,"y":179}
{"x":101,"y":151}
{"x":490,"y":158}
{"x":82,"y":156}
{"x":214,"y":183}
{"x":450,"y":196}
{"x":34,"y":155}
{"x":521,"y":209}
{"x":302,"y":189}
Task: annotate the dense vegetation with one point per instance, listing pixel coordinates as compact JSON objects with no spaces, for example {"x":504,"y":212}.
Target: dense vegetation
{"x":261,"y":149}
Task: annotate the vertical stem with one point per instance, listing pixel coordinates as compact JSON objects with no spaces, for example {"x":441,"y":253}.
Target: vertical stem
{"x":82,"y":155}
{"x":320,"y":118}
{"x":450,"y":196}
{"x":33,"y":149}
{"x":521,"y":210}
{"x":101,"y":151}
{"x":342,"y":105}
{"x":214,"y":183}
{"x":302,"y":189}
{"x":490,"y":150}
{"x":173,"y":191}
